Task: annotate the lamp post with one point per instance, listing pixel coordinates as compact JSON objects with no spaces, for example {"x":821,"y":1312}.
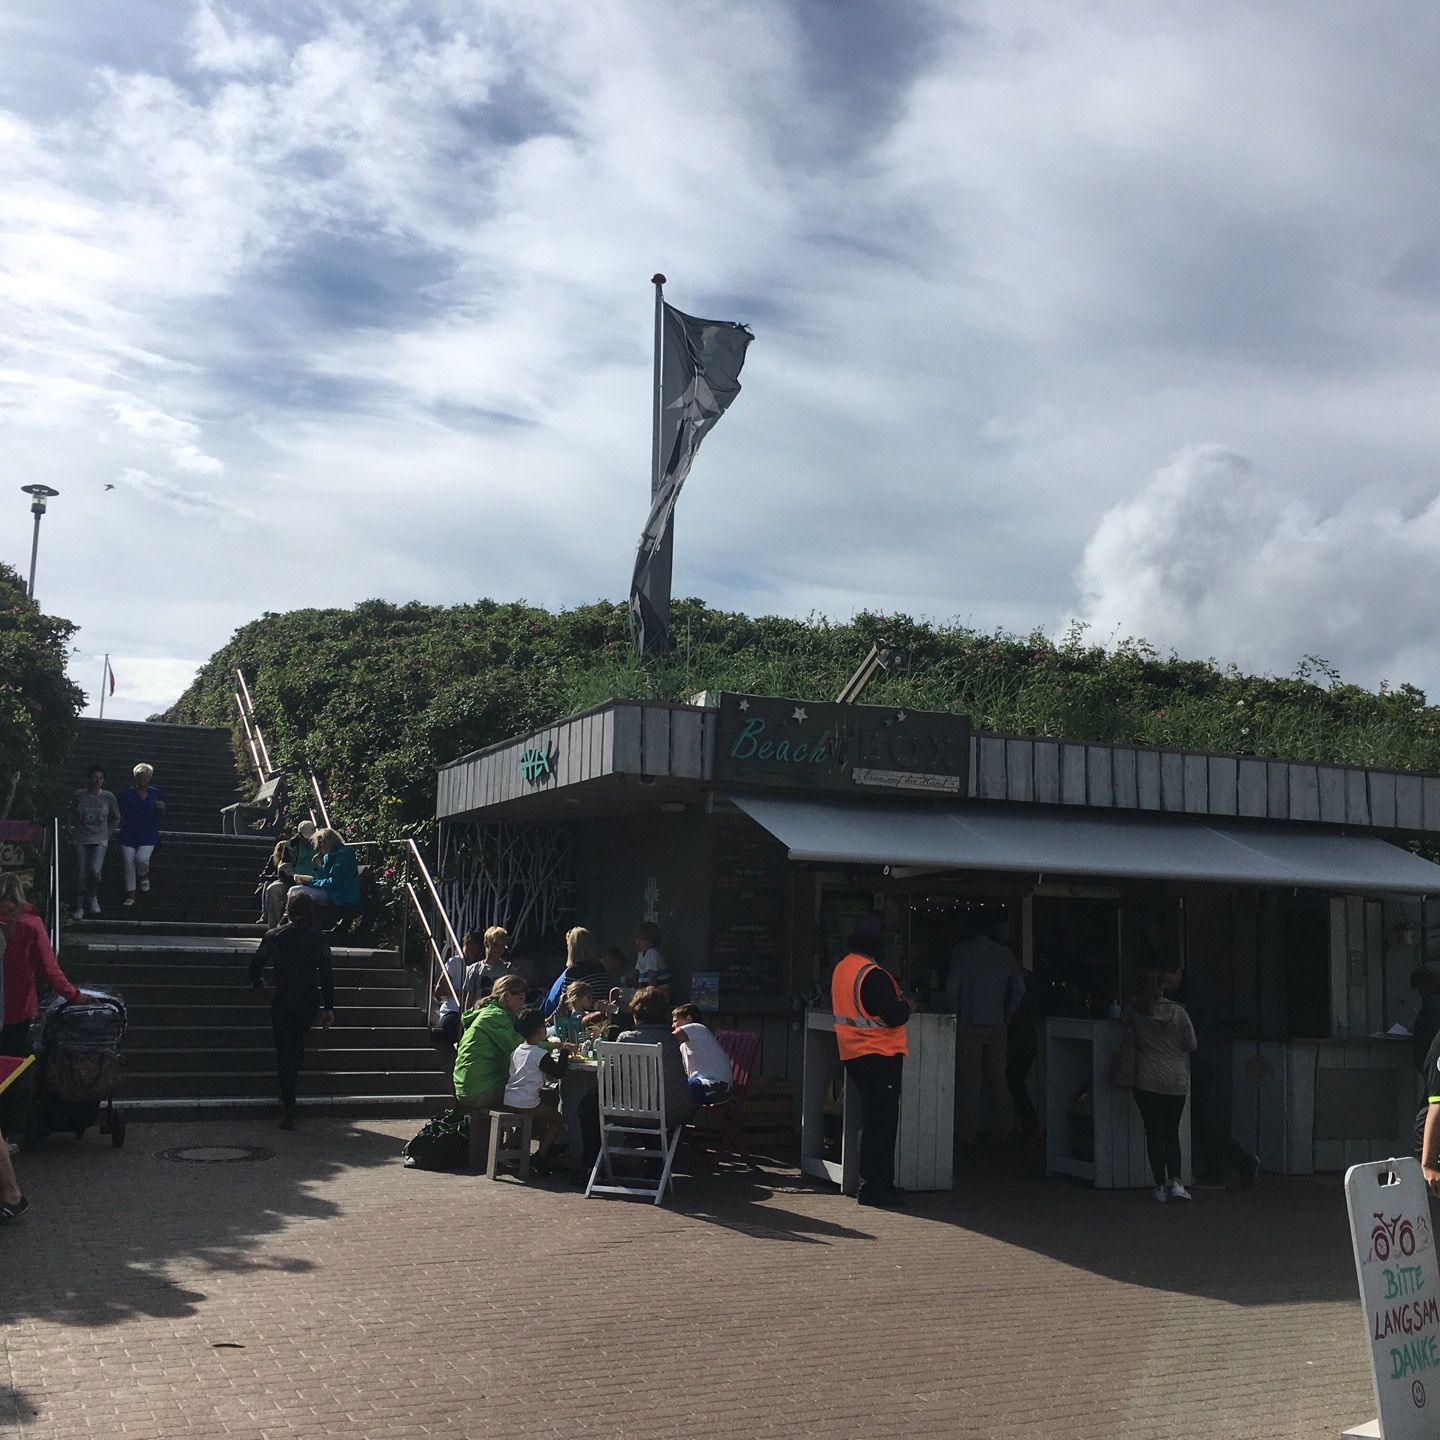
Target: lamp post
{"x":39,"y":495}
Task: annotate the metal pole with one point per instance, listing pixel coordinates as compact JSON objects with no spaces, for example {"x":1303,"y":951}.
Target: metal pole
{"x":40,"y":496}
{"x":658,"y":281}
{"x":104,"y":678}
{"x":35,"y":547}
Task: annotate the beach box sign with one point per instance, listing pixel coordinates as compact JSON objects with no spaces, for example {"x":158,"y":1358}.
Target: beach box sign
{"x":1400,"y":1294}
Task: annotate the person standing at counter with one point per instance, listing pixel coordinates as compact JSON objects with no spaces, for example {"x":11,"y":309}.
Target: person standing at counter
{"x":1164,"y":1041}
{"x":870,"y":1019}
{"x":985,"y":987}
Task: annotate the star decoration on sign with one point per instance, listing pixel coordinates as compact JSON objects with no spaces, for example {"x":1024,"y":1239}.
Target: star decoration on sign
{"x":900,"y":716}
{"x":744,"y":705}
{"x":799,"y":714}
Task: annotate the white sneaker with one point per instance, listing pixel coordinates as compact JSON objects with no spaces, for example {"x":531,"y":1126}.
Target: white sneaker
{"x":1161,"y":1194}
{"x":94,"y":907}
{"x":1178,"y":1191}
{"x":128,"y":900}
{"x":78,"y":913}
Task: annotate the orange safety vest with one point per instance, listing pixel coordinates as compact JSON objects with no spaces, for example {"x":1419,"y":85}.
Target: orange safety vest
{"x":857,"y":1031}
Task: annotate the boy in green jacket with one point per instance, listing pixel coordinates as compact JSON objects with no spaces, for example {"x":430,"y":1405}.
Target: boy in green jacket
{"x":482,"y":1063}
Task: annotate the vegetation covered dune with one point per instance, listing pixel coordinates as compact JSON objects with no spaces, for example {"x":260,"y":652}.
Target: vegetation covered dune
{"x":373,"y":698}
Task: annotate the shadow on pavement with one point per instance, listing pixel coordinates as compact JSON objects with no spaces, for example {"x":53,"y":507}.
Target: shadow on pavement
{"x":113,"y":1234}
{"x":1285,"y":1241}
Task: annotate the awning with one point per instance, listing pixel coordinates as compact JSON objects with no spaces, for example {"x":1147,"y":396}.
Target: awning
{"x":929,"y":836}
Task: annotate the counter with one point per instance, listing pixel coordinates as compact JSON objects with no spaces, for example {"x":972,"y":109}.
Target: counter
{"x":925,"y":1143}
{"x":1323,"y":1105}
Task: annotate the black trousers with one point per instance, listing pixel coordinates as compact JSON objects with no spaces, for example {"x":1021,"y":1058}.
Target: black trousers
{"x":877,"y":1077}
{"x":290,"y":1032}
{"x":1160,"y":1114}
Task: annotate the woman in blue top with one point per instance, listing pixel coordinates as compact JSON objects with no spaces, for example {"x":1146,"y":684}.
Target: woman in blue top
{"x":140,"y":809}
{"x":336,"y":880}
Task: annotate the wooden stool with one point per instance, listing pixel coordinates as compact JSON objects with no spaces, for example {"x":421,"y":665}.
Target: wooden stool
{"x":504,"y":1124}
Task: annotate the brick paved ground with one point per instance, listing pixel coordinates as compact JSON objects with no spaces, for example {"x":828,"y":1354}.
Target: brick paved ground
{"x":328,"y":1291}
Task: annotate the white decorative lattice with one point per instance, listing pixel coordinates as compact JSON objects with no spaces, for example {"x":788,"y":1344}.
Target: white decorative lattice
{"x":521,"y":877}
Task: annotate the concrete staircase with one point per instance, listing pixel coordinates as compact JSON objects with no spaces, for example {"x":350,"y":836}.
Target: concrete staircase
{"x":197,"y":874}
{"x":199,"y":1042}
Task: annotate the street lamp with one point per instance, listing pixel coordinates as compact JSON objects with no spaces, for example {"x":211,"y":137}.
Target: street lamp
{"x":39,"y":494}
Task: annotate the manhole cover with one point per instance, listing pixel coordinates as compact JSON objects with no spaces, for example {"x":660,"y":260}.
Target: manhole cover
{"x":215,"y":1154}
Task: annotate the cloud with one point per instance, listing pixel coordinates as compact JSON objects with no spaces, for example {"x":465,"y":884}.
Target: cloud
{"x":385,"y":269}
{"x":1208,"y":559}
{"x":190,"y":503}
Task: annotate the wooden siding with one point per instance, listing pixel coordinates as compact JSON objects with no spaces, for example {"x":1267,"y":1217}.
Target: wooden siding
{"x":678,"y":742}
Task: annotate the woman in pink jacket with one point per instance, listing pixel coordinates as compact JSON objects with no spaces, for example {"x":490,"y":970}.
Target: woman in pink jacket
{"x":28,"y":960}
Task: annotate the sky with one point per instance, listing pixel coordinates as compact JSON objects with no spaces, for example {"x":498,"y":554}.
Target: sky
{"x":1125,"y":313}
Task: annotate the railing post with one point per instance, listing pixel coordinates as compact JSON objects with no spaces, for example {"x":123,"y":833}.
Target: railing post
{"x":405,"y":909}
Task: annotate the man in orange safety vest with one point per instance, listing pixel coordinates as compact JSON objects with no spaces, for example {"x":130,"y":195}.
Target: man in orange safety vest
{"x":870,"y":1017}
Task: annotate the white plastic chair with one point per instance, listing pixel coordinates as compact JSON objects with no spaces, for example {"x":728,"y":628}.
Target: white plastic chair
{"x":632,"y":1105}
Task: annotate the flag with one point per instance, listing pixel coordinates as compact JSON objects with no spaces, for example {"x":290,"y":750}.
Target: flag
{"x":110,"y":674}
{"x":699,"y":377}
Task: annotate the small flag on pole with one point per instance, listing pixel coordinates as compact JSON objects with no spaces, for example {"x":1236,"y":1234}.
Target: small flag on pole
{"x":110,"y":673}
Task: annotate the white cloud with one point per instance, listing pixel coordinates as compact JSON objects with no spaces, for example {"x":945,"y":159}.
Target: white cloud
{"x":390,"y":263}
{"x":186,"y":501}
{"x":1209,"y":559}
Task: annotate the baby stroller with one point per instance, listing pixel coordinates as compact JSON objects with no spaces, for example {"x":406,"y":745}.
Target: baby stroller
{"x":78,"y":1067}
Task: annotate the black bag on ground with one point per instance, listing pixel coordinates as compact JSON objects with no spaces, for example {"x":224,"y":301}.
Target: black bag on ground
{"x":442,"y":1144}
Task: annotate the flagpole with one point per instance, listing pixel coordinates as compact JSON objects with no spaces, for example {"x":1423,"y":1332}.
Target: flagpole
{"x":664,"y":559}
{"x":104,"y":677}
{"x":658,"y":281}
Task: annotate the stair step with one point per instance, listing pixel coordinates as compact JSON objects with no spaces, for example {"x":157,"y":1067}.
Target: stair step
{"x":151,"y":1013}
{"x":160,"y":1111}
{"x":219,"y":1039}
{"x":219,"y":1084}
{"x":321,"y":1054}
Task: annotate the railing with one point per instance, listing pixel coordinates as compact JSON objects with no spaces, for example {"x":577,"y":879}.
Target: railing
{"x":254,"y":736}
{"x":52,"y":919}
{"x":425,"y":902}
{"x":430,"y":911}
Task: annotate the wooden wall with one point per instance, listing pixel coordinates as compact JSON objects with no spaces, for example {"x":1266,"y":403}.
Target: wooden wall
{"x":1132,"y":777}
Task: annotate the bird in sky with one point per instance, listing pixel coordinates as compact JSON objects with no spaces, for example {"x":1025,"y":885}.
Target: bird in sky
{"x":109,"y":487}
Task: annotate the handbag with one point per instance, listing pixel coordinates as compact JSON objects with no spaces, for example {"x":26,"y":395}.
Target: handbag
{"x":1122,"y":1066}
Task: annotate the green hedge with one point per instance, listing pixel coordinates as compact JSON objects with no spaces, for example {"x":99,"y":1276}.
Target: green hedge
{"x":373,"y":699}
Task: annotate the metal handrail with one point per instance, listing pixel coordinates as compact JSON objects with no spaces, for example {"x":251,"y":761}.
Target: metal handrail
{"x":54,"y":901}
{"x":259,"y":751}
{"x":320,"y":800}
{"x":434,"y":893}
{"x":435,"y":956}
{"x":413,"y":856}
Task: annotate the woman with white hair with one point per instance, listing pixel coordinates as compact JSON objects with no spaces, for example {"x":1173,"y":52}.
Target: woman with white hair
{"x":140,"y":809}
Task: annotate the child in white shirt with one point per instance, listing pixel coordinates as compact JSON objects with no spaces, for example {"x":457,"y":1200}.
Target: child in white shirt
{"x":530,"y":1063}
{"x":711,"y":1077}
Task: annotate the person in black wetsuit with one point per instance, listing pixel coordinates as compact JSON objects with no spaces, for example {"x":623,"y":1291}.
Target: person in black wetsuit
{"x":304,"y":989}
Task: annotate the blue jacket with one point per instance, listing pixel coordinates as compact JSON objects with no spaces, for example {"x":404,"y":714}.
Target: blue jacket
{"x":139,"y":819}
{"x":338,"y":876}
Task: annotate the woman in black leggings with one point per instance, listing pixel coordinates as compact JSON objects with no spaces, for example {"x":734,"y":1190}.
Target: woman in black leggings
{"x":1164,"y":1041}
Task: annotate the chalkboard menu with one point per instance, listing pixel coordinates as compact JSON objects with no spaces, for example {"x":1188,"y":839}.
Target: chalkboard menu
{"x":747,"y":916}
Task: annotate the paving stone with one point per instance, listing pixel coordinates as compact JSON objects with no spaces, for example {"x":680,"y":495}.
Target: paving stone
{"x":329,"y":1291}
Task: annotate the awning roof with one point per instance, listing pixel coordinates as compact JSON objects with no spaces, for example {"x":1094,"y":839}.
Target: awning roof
{"x":928,"y":836}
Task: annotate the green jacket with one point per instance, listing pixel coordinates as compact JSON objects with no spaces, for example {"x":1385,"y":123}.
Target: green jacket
{"x":483,"y":1060}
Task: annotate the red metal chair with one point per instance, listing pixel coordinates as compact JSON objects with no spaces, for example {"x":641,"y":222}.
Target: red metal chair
{"x":740,"y":1047}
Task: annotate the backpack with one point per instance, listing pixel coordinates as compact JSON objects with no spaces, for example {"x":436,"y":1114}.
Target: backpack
{"x":442,"y":1144}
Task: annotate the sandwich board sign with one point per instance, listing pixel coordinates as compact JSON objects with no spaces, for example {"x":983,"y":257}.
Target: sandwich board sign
{"x":1394,"y":1247}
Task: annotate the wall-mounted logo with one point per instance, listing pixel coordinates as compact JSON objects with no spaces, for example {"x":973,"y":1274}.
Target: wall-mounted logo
{"x":536,"y":765}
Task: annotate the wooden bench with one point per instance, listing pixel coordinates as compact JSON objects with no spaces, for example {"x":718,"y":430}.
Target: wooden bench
{"x":504,"y":1125}
{"x":267,"y":804}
